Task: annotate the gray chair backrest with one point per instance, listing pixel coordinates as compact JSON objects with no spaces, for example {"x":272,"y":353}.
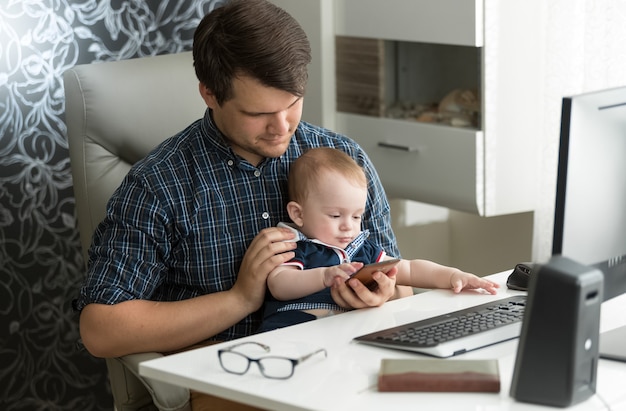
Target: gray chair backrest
{"x":117,"y":112}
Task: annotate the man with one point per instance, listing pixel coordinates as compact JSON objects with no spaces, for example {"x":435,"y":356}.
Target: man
{"x":189,"y":237}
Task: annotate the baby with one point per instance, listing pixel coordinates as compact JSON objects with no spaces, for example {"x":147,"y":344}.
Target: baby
{"x":328,"y":194}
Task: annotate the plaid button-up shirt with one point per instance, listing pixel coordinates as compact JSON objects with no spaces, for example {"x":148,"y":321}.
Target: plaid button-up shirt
{"x":180,"y":223}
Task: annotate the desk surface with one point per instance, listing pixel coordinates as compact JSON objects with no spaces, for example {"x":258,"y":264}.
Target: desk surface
{"x":346,"y":379}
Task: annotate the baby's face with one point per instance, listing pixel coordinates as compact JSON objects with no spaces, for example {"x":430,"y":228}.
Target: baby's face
{"x":332,"y":211}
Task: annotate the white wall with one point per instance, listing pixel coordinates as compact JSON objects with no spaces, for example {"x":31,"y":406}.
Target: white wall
{"x":476,"y":244}
{"x":585,"y":50}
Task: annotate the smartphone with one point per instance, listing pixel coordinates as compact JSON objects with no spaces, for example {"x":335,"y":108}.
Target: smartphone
{"x":364,"y":275}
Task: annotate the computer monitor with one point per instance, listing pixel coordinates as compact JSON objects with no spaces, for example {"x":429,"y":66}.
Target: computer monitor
{"x":590,"y":209}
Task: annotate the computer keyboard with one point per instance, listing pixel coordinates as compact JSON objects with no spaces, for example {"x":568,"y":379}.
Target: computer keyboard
{"x":456,"y":332}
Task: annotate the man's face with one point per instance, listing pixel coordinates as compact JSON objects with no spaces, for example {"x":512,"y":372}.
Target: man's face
{"x":258,"y":121}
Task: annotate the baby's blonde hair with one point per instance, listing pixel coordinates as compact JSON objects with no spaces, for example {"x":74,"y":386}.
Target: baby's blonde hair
{"x":306,"y":170}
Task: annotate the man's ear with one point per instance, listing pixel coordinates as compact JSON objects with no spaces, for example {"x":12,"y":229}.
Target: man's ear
{"x":207,"y":96}
{"x":295,"y":213}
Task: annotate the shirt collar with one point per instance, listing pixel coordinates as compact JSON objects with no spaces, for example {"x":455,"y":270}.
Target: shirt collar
{"x":213,"y":134}
{"x":351,"y":249}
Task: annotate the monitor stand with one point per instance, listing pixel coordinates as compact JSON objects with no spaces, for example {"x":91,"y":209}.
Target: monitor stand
{"x":613,"y":342}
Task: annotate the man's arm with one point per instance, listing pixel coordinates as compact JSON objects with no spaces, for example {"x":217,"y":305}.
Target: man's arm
{"x":142,"y":326}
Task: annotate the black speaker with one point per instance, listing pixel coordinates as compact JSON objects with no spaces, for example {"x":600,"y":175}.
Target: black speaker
{"x":557,"y":355}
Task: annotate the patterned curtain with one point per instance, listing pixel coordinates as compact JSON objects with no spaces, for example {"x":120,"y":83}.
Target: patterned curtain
{"x":41,"y":266}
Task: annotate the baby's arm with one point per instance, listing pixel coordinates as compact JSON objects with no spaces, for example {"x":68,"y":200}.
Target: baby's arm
{"x":289,"y":282}
{"x":428,"y":274}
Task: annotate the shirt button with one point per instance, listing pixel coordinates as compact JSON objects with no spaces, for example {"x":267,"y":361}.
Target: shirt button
{"x":230,"y":162}
{"x":257,"y":173}
{"x":265,"y":215}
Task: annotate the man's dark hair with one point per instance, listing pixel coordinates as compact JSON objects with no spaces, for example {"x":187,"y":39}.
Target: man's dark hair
{"x":254,"y":38}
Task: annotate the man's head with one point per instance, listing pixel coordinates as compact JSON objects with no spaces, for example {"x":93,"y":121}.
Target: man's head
{"x":328,"y":194}
{"x":252,"y":38}
{"x":251,"y":59}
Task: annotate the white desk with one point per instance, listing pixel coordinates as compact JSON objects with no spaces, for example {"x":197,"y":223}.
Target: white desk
{"x":346,"y":379}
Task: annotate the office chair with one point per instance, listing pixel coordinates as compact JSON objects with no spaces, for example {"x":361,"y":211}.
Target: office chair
{"x":116,"y":113}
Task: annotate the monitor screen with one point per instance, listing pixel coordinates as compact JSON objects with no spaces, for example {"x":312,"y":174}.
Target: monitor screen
{"x":590,"y":213}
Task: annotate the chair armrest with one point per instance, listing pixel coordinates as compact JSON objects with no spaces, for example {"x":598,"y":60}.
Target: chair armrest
{"x":166,"y":397}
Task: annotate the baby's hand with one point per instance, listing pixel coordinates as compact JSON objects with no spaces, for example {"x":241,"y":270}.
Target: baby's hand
{"x":343,"y":271}
{"x":460,"y":280}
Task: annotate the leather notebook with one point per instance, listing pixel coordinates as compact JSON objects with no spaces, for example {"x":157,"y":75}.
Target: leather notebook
{"x":439,"y":375}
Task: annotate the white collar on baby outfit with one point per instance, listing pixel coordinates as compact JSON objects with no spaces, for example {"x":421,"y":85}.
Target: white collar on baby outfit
{"x":349,"y":251}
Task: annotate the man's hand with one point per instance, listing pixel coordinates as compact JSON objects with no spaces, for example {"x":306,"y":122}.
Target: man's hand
{"x":354,"y":294}
{"x":269,"y":249}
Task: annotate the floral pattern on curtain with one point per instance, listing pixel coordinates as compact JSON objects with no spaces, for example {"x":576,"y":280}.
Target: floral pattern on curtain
{"x":41,"y":266}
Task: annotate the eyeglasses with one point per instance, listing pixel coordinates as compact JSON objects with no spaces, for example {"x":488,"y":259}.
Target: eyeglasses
{"x":276,"y":367}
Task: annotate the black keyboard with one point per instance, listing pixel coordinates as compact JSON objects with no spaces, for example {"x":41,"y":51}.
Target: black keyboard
{"x":456,"y":332}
